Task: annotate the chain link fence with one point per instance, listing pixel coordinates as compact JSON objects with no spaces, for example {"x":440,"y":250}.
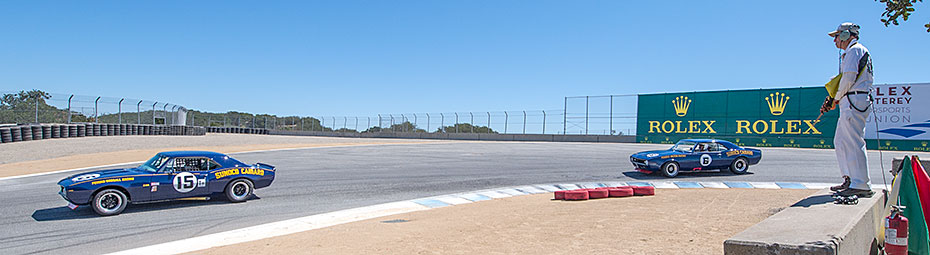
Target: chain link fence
{"x":31,"y":107}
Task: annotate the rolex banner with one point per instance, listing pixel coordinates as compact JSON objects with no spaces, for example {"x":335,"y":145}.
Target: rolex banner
{"x":784,"y":117}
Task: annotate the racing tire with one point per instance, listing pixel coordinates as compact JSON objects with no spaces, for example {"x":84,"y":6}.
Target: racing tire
{"x":239,"y":190}
{"x":739,"y":166}
{"x":670,"y":169}
{"x":109,"y":202}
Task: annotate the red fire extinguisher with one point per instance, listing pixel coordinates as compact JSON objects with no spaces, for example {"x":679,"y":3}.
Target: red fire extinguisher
{"x":896,"y":232}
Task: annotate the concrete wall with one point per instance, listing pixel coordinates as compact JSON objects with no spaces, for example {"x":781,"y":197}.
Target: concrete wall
{"x":470,"y":136}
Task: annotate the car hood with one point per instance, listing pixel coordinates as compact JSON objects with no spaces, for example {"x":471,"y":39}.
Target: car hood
{"x":100,"y":174}
{"x":659,"y":153}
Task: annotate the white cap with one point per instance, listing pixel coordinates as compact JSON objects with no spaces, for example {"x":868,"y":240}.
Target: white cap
{"x":846,"y":26}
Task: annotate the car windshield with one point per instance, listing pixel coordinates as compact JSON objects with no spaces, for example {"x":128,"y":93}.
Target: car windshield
{"x":154,"y":163}
{"x":683,"y":146}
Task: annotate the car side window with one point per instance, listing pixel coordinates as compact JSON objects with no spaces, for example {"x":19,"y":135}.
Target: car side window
{"x":214,"y":165}
{"x":187,"y":164}
{"x":716,"y":147}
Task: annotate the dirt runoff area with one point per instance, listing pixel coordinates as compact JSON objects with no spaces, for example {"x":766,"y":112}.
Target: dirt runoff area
{"x":50,"y":155}
{"x":674,"y":221}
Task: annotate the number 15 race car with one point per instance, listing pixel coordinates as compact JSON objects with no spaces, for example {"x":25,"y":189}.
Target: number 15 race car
{"x":166,"y":176}
{"x":696,"y":155}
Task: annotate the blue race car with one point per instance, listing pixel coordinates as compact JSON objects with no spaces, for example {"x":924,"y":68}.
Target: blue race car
{"x":696,"y":155}
{"x":166,"y":176}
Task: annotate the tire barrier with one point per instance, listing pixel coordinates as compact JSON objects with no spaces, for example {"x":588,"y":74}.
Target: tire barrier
{"x":20,"y":133}
{"x":236,"y":130}
{"x":644,"y":190}
{"x":576,"y":195}
{"x":46,"y":132}
{"x":17,"y":134}
{"x":560,"y":195}
{"x":604,"y":192}
{"x":620,"y":192}
{"x":598,"y":193}
{"x":36,"y":132}
{"x":5,"y":136}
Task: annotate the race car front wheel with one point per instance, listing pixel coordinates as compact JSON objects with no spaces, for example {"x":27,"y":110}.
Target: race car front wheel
{"x":109,"y":202}
{"x":239,"y":190}
{"x":739,"y":166}
{"x":670,"y":169}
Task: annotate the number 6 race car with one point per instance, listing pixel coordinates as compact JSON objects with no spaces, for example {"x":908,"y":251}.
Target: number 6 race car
{"x":696,"y":155}
{"x":166,"y":176}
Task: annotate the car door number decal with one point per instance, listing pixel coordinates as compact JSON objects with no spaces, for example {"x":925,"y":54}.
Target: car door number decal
{"x":706,"y":159}
{"x":185,"y":182}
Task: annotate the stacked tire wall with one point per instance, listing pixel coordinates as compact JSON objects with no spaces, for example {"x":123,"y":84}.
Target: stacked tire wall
{"x":237,"y":130}
{"x":20,"y":133}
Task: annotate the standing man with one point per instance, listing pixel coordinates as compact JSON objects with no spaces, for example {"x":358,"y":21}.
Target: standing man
{"x":854,"y":101}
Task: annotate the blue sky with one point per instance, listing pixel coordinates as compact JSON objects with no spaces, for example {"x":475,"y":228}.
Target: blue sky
{"x":368,"y":57}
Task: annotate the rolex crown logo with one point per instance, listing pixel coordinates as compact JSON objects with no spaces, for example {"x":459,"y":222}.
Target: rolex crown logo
{"x":924,"y":144}
{"x":821,"y":141}
{"x":792,"y":140}
{"x":681,"y":105}
{"x":777,"y":102}
{"x":763,"y":140}
{"x":888,"y":143}
{"x":737,"y":139}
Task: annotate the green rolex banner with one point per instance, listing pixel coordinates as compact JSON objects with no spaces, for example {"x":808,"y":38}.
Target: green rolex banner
{"x":918,"y":239}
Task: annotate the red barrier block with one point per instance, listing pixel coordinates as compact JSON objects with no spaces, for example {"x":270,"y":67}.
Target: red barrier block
{"x":576,"y":195}
{"x":560,"y":194}
{"x":598,"y":193}
{"x":621,"y":192}
{"x":644,"y":190}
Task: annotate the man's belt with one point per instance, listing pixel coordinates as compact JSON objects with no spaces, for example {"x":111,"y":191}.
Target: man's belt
{"x":857,"y":93}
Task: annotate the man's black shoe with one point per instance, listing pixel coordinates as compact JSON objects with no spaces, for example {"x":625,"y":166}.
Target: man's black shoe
{"x":855,"y":192}
{"x":843,"y":186}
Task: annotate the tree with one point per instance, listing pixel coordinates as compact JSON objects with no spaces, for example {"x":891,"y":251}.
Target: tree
{"x":895,"y":9}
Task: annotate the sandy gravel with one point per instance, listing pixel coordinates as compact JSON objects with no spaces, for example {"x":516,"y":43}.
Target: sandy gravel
{"x":685,"y":221}
{"x":59,"y":154}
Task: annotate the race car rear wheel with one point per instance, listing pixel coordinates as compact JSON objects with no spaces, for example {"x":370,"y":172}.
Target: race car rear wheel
{"x":109,"y":202}
{"x":239,"y":190}
{"x":670,"y":169}
{"x":739,"y":166}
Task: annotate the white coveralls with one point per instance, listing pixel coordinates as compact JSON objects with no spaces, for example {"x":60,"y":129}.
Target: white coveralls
{"x":849,"y":139}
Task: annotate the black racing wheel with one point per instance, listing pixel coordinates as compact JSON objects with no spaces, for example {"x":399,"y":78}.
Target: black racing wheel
{"x":109,"y":202}
{"x":239,"y":190}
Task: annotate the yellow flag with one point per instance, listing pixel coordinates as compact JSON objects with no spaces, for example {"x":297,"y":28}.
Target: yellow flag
{"x":833,"y":85}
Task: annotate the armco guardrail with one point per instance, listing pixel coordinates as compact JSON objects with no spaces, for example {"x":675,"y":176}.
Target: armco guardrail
{"x":468,"y":136}
{"x":19,"y":133}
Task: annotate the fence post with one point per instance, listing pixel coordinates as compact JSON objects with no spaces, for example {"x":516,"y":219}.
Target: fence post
{"x":611,"y":114}
{"x":415,"y":122}
{"x":456,"y":123}
{"x":138,"y":112}
{"x":392,"y":123}
{"x":544,"y":122}
{"x":472,"y":122}
{"x":37,"y":107}
{"x":524,"y":122}
{"x":369,"y":123}
{"x":175,"y":110}
{"x":427,"y":122}
{"x":224,"y":120}
{"x":586,"y":115}
{"x":119,"y":108}
{"x":301,"y":124}
{"x":356,"y":124}
{"x":564,"y":116}
{"x":334,"y":123}
{"x":380,"y":128}
{"x":69,"y":108}
{"x":442,"y":122}
{"x":164,"y":109}
{"x":95,"y":109}
{"x":506,"y":121}
{"x":344,"y":120}
{"x":403,"y":121}
{"x":153,"y":112}
{"x":489,"y":122}
{"x":252,"y":125}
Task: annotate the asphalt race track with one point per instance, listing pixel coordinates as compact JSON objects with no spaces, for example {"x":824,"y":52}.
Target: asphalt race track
{"x":312,"y":181}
